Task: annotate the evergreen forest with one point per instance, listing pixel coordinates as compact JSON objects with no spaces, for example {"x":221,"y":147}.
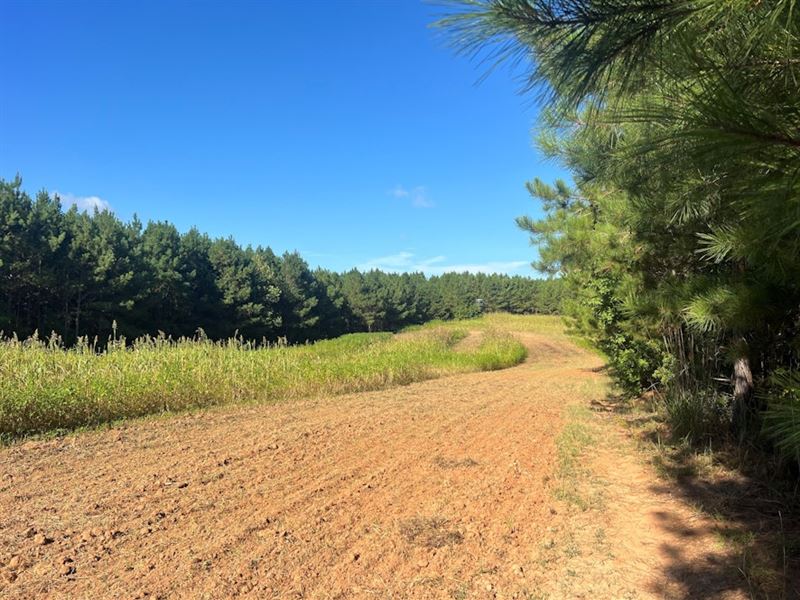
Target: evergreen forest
{"x":90,"y":275}
{"x":678,"y":236}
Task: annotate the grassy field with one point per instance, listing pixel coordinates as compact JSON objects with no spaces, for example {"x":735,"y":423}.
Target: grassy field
{"x":543,"y":324}
{"x":44,"y":387}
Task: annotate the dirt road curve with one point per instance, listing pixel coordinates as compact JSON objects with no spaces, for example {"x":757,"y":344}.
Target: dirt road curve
{"x":442,"y":489}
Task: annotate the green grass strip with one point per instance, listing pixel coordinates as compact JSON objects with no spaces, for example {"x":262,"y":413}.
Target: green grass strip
{"x":44,"y":387}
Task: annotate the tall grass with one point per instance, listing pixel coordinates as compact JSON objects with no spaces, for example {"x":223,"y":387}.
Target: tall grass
{"x":543,"y":324}
{"x":696,"y":415}
{"x":45,"y":387}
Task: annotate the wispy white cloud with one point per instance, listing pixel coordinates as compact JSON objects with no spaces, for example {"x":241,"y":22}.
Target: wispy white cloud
{"x":408,"y":262}
{"x":84,"y":203}
{"x":508,"y":267}
{"x":400,"y":260}
{"x":418,"y":196}
{"x":398,"y":191}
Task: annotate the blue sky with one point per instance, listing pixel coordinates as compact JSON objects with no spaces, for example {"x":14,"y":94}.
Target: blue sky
{"x":348,"y":131}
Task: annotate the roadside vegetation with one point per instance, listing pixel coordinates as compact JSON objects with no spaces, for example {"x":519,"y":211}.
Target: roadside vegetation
{"x":576,"y":438}
{"x":45,"y":386}
{"x":678,"y":238}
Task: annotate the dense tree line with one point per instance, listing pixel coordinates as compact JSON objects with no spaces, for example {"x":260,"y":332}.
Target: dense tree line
{"x":77,"y":274}
{"x":679,"y":239}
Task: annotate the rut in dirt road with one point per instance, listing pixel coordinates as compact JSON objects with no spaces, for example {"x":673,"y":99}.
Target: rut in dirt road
{"x":441,"y":489}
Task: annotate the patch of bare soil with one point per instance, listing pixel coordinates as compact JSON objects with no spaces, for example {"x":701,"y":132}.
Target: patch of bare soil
{"x":471,"y":342}
{"x":636,"y":538}
{"x":440,"y":489}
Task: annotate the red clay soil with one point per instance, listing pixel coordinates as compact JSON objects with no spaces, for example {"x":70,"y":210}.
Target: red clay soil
{"x":441,"y":489}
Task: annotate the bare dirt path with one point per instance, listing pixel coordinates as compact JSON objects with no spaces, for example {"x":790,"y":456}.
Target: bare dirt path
{"x":441,"y":489}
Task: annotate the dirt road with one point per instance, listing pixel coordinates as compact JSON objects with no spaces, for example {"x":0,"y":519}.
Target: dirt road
{"x":442,"y":489}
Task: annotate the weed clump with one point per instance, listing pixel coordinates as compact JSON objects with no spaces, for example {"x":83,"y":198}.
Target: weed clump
{"x":430,"y":532}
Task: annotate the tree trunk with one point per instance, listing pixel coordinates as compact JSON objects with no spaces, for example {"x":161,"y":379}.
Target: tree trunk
{"x":742,"y":381}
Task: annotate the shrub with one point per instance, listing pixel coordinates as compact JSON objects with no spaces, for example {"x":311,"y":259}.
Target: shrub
{"x":782,"y":417}
{"x":697,"y":415}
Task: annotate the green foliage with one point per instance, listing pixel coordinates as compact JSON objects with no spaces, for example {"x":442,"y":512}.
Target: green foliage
{"x":678,"y":240}
{"x":696,"y":415}
{"x":76,"y":273}
{"x":782,"y":417}
{"x":44,"y":386}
